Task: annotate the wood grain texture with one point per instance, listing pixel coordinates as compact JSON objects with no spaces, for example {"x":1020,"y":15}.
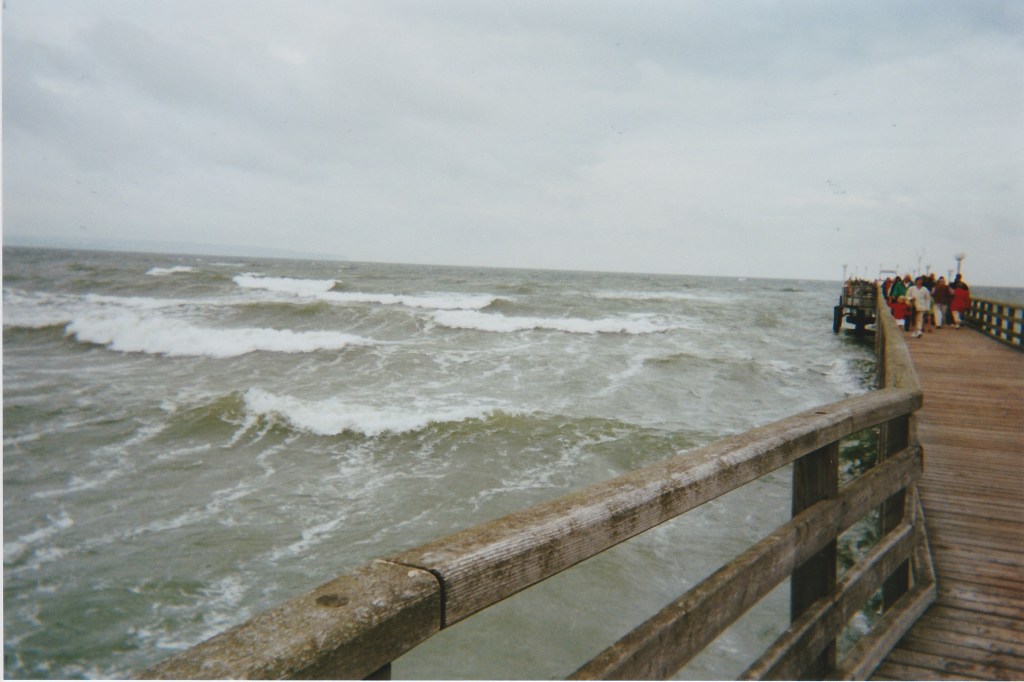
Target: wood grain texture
{"x":347,"y":628}
{"x":972,"y":429}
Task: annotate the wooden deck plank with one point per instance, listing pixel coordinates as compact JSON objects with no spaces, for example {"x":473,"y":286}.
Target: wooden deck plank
{"x":993,"y":627}
{"x":990,"y":506}
{"x":999,"y":555}
{"x":932,"y":643}
{"x":901,"y":671}
{"x":953,"y":666}
{"x":983,"y":475}
{"x":938,"y":632}
{"x":991,"y":536}
{"x":996,"y":581}
{"x":972,"y":428}
{"x":946,"y":478}
{"x":954,"y":518}
{"x":1002,"y":581}
{"x":945,"y":483}
{"x":1010,"y":560}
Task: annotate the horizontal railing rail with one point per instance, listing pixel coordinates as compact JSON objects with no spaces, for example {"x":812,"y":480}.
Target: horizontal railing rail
{"x":356,"y":625}
{"x":1001,"y":321}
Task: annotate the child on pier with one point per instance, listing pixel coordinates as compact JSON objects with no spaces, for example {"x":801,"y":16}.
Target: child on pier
{"x":900,"y":310}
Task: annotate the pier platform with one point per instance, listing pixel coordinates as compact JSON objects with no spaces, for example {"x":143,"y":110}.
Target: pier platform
{"x":972,"y":429}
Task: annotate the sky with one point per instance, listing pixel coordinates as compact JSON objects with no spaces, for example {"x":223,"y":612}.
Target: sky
{"x":789,"y":139}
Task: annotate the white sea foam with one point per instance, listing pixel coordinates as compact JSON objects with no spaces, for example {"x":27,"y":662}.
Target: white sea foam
{"x":40,"y":309}
{"x":629,"y":324}
{"x":173,"y":270}
{"x":321,"y":289}
{"x":224,"y":597}
{"x":36,"y":310}
{"x":701,"y":296}
{"x":191,"y":516}
{"x":842,"y":374}
{"x":128,"y":332}
{"x":311,"y":537}
{"x":136,"y":302}
{"x":649,"y":295}
{"x":14,"y":550}
{"x":332,"y":416}
{"x":437,"y":301}
{"x":287,"y":285}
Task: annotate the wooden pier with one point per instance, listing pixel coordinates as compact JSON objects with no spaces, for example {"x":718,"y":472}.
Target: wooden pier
{"x":972,"y":429}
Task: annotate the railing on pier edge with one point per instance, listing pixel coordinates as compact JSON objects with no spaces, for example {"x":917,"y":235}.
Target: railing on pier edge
{"x":1001,"y":321}
{"x":355,"y":625}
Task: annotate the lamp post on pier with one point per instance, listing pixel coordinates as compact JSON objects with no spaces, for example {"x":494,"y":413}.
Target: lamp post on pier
{"x":959,"y":257}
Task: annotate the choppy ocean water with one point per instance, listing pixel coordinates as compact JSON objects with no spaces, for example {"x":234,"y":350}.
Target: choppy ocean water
{"x":190,"y":440}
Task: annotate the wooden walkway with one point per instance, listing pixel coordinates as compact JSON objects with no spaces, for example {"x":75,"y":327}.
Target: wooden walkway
{"x":972,"y":430}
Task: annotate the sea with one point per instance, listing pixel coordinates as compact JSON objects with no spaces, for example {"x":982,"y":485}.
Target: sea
{"x":190,"y":440}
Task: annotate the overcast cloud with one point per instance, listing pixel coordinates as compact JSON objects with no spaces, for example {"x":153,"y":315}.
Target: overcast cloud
{"x":778,"y":139}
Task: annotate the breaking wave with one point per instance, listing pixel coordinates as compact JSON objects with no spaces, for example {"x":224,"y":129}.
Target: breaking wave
{"x":130,"y":333}
{"x":440,"y":301}
{"x":700,"y":296}
{"x":174,"y":270}
{"x":326,"y":290}
{"x":287,"y":285}
{"x":333,"y":416}
{"x":629,"y":324}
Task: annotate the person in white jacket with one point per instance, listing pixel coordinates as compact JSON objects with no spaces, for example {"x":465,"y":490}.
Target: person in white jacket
{"x":921,"y":299}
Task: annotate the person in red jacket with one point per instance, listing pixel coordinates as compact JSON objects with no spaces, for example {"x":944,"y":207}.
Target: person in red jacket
{"x":961,"y":300}
{"x":900,"y":310}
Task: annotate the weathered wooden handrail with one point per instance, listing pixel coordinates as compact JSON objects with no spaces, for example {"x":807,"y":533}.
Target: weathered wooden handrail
{"x":357,"y":624}
{"x":696,"y":618}
{"x":1001,"y":321}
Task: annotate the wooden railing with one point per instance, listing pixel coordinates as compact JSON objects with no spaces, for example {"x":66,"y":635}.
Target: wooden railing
{"x":357,"y":624}
{"x":1002,"y":321}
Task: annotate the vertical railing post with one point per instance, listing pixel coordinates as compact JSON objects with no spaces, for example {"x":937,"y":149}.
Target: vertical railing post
{"x":815,"y":478}
{"x":893,"y":437}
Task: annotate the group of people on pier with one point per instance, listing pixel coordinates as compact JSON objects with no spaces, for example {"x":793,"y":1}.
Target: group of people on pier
{"x":925,"y":302}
